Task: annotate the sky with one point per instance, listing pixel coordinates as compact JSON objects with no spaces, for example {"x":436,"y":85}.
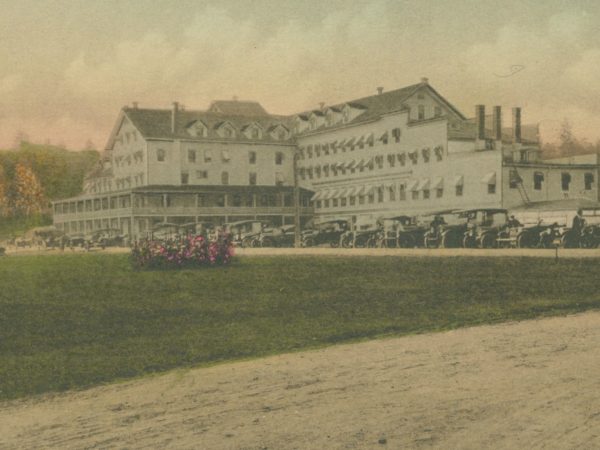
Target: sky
{"x":67,"y":67}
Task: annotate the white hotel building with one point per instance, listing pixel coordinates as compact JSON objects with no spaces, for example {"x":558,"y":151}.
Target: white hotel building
{"x":407,"y":151}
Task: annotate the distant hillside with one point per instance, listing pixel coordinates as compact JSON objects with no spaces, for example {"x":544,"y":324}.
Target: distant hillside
{"x":59,"y":171}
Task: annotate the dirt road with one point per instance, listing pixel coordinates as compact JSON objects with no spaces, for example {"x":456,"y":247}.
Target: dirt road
{"x":532,"y":384}
{"x":326,"y":251}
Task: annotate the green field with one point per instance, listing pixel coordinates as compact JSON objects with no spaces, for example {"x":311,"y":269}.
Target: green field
{"x":75,"y":320}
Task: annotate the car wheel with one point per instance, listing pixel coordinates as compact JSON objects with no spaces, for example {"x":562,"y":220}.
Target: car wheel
{"x":488,"y":241}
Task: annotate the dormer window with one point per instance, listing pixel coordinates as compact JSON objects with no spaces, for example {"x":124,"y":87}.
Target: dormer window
{"x":226,"y":130}
{"x":197,"y":129}
{"x":279,"y":132}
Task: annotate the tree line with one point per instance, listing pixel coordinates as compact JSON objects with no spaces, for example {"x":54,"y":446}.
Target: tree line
{"x":33,"y":175}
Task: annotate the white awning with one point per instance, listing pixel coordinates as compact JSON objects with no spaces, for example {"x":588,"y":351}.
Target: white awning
{"x":342,"y":193}
{"x":351,"y":164}
{"x":317,"y":196}
{"x":360,"y":190}
{"x":459,"y":180}
{"x":360,"y":164}
{"x":390,"y":185}
{"x":423,"y":184}
{"x":489,"y":178}
{"x":331,"y":194}
{"x":412,"y":185}
{"x":369,"y":189}
{"x":351,"y":191}
{"x":438,"y":183}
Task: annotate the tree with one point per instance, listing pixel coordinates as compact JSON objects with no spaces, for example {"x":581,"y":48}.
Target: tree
{"x":27,"y":192}
{"x":4,"y":208}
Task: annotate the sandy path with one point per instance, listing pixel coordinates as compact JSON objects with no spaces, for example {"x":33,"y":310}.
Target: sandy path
{"x":327,"y":251}
{"x":533,"y":384}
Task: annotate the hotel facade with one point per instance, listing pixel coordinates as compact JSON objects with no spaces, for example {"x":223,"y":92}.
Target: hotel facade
{"x":407,"y":151}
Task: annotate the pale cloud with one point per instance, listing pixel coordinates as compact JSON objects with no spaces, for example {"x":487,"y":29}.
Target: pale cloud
{"x":344,"y":54}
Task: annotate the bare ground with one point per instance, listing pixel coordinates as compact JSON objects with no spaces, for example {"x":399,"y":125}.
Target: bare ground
{"x":327,"y":251}
{"x":532,"y":384}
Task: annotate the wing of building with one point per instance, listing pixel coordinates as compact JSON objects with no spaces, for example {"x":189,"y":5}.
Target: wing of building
{"x":407,"y":151}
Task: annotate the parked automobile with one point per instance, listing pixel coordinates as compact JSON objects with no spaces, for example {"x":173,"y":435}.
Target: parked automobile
{"x":401,"y":231}
{"x":107,"y":237}
{"x":446,"y":229}
{"x":165,"y":230}
{"x":245,"y":233}
{"x":483,"y":226}
{"x":328,"y":232}
{"x":283,"y":236}
{"x":363,"y":234}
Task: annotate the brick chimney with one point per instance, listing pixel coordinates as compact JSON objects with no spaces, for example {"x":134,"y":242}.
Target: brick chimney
{"x":480,"y":122}
{"x":380,"y":90}
{"x":516,"y":125}
{"x":174,"y":112}
{"x":497,"y":123}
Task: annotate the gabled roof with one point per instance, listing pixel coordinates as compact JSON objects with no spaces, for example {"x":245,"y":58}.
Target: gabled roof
{"x":156,"y":123}
{"x":237,"y":108}
{"x":375,"y":106}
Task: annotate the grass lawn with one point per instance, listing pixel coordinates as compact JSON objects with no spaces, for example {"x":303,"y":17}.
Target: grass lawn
{"x":76,"y":320}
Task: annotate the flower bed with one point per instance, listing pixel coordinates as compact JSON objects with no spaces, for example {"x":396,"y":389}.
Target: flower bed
{"x":182,"y":252}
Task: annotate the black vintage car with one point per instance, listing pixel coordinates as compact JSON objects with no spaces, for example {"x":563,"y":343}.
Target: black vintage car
{"x":283,"y":236}
{"x":401,"y":231}
{"x":245,"y":233}
{"x":364,"y":234}
{"x":484,"y":225}
{"x":446,"y":229}
{"x":328,"y":232}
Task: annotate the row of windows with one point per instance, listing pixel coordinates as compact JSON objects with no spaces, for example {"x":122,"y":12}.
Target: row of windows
{"x":378,"y":161}
{"x":252,"y":177}
{"x":332,"y":148}
{"x":207,"y":155}
{"x":378,"y":197}
{"x":565,"y":181}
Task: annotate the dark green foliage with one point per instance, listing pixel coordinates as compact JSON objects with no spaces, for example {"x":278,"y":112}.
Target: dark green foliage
{"x":60,"y":171}
{"x":73,"y":320}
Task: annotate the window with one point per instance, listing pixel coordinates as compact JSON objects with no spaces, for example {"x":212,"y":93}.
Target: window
{"x":224,"y":177}
{"x":391,"y":159}
{"x":343,"y":201}
{"x":326,"y":203}
{"x":396,"y":134}
{"x":379,"y":194}
{"x":255,"y":134}
{"x":161,"y":155}
{"x":491,"y":188}
{"x":201,"y":174}
{"x":252,"y":157}
{"x":279,"y":179}
{"x":319,"y":204}
{"x":185,"y":178}
{"x":334,"y":202}
{"x":565,"y":180}
{"x":392,"y":194}
{"x":402,"y":192}
{"x":459,"y":190}
{"x":538,"y":181}
{"x":437,"y":111}
{"x":192,"y":156}
{"x":252,"y":178}
{"x":421,"y":112}
{"x":415,"y":195}
{"x":352,"y":200}
{"x":588,"y":179}
{"x":207,"y":156}
{"x":426,"y":194}
{"x":228,"y":132}
{"x":426,"y":154}
{"x":279,"y":158}
{"x":225,"y":157}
